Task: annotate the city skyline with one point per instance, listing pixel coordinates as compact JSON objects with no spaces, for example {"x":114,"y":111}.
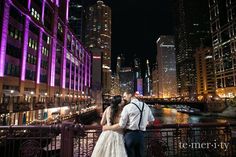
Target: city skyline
{"x":57,"y":89}
{"x":136,"y":26}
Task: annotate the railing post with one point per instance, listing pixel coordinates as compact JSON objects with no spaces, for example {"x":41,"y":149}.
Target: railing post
{"x":67,"y":143}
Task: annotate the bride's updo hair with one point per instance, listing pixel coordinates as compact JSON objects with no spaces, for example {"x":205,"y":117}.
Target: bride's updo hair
{"x":116,"y":100}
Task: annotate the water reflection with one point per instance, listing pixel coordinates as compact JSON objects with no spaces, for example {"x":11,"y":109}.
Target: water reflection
{"x":171,"y":116}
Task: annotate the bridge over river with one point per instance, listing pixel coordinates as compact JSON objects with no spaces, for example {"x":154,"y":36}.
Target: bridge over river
{"x":193,"y":104}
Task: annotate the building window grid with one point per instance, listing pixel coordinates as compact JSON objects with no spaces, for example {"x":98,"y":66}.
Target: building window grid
{"x":15,"y":33}
{"x":33,"y":44}
{"x":35,"y":14}
{"x":12,"y":70}
{"x":31,"y":59}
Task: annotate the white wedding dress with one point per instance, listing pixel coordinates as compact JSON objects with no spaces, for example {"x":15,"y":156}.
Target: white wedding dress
{"x":110,"y":143}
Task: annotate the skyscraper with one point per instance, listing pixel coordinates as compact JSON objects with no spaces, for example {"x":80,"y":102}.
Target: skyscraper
{"x":76,"y":17}
{"x":205,"y":72}
{"x":138,"y":81}
{"x":223,"y":29}
{"x":166,"y":67}
{"x":126,"y":76}
{"x":147,"y":80}
{"x":192,"y":30}
{"x":155,"y":81}
{"x":98,"y":36}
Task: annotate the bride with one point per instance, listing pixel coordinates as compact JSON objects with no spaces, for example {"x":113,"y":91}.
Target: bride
{"x":111,"y":143}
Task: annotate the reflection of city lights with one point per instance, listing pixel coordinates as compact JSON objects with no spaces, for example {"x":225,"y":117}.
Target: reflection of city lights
{"x":54,"y":109}
{"x":65,"y":108}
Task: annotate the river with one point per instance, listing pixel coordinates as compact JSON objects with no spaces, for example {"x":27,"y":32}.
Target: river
{"x":172,"y":116}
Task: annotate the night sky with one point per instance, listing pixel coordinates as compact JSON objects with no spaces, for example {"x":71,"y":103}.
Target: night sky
{"x":136,"y":25}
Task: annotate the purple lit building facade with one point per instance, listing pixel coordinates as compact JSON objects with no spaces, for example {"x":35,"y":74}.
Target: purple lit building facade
{"x":42,"y":64}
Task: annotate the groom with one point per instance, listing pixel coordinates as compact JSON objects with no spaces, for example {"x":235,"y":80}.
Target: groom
{"x":135,"y":116}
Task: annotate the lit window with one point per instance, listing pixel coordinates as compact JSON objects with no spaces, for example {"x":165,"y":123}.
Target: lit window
{"x":16,"y":33}
{"x":32,"y":11}
{"x":12,"y":32}
{"x":29,"y":42}
{"x":48,"y":40}
{"x":35,"y":46}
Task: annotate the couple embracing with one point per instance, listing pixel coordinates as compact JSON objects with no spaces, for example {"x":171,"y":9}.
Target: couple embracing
{"x":124,"y":123}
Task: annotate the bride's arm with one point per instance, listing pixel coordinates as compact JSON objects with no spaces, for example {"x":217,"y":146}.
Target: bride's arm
{"x":119,"y":126}
{"x":104,"y":119}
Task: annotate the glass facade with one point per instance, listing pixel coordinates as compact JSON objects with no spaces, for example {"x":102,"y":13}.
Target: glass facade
{"x":222,"y":18}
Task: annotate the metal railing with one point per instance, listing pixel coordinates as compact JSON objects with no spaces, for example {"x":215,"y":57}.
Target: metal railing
{"x":68,"y":140}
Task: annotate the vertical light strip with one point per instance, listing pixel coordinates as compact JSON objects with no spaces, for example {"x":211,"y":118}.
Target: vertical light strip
{"x":75,"y":77}
{"x":85,"y":63}
{"x":67,"y":10}
{"x":54,"y":49}
{"x":78,"y":75}
{"x":39,"y":55}
{"x":29,"y":3}
{"x":57,"y":3}
{"x":90,"y":63}
{"x":25,"y":47}
{"x":82,"y":70}
{"x":43,"y":9}
{"x":63,"y":82}
{"x":3,"y":45}
{"x":70,"y":71}
{"x":53,"y":62}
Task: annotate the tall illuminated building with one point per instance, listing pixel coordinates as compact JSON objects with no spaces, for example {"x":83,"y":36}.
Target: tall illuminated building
{"x":222,"y":19}
{"x":98,"y":36}
{"x":205,"y":72}
{"x":43,"y":66}
{"x":147,"y":80}
{"x":155,"y":81}
{"x":76,"y":18}
{"x":166,"y":67}
{"x":138,"y":81}
{"x":126,"y":76}
{"x":192,"y":29}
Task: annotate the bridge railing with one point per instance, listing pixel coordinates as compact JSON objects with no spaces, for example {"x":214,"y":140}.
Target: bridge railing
{"x":67,"y":140}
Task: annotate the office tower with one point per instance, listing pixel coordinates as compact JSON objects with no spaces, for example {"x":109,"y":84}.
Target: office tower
{"x":155,"y":81}
{"x":98,"y":36}
{"x":147,"y":80}
{"x":115,"y":85}
{"x":76,"y":18}
{"x":42,"y":64}
{"x":166,"y":67}
{"x":205,"y":72}
{"x":192,"y":30}
{"x":126,"y":76}
{"x":222,"y":19}
{"x":138,"y":81}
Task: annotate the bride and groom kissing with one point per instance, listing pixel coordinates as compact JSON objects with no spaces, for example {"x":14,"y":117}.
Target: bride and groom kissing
{"x":124,"y":123}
